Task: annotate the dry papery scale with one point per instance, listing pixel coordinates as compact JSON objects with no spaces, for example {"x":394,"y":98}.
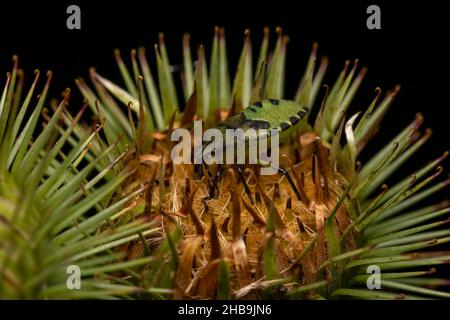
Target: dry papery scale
{"x":107,"y":197}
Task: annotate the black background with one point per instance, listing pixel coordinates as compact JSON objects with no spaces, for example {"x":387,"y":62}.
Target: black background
{"x":411,"y":49}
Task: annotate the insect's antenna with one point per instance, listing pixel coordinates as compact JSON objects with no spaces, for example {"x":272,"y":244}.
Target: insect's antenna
{"x":219,"y":172}
{"x":246,"y":188}
{"x":291,"y":182}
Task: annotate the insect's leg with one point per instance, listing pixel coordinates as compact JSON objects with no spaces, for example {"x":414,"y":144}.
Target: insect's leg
{"x":211,"y":178}
{"x":291,"y":182}
{"x":246,"y":188}
{"x":220,"y":171}
{"x":198,"y":172}
{"x":284,"y":173}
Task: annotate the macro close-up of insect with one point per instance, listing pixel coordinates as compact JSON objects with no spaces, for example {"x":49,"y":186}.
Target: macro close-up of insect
{"x":268,"y":117}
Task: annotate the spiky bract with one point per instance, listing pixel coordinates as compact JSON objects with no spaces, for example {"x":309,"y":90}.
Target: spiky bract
{"x":109,"y":199}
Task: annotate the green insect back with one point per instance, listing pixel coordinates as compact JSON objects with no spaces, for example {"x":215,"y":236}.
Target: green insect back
{"x":283,"y":116}
{"x":270,"y":114}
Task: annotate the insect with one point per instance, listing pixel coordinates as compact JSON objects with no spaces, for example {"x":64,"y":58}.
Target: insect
{"x":269,"y":114}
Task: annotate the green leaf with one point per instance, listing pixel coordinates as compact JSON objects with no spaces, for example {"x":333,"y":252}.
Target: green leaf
{"x":188,"y":76}
{"x":166,"y":85}
{"x":152,"y":92}
{"x":243,"y":80}
{"x":389,"y":227}
{"x":21,"y":145}
{"x":308,"y":287}
{"x":414,"y":289}
{"x":269,"y":258}
{"x":223,"y":290}
{"x":129,"y":83}
{"x":374,"y":294}
{"x":275,"y":73}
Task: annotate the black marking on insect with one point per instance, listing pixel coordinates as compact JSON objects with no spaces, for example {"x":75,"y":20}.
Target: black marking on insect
{"x":294,"y":120}
{"x":301,"y":114}
{"x":258,"y":124}
{"x":258,"y":104}
{"x":275,"y":102}
{"x":235,"y":122}
{"x":252,"y":109}
{"x":284,"y":126}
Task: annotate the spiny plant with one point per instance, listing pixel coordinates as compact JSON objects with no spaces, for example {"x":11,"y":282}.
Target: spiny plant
{"x":109,"y":199}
